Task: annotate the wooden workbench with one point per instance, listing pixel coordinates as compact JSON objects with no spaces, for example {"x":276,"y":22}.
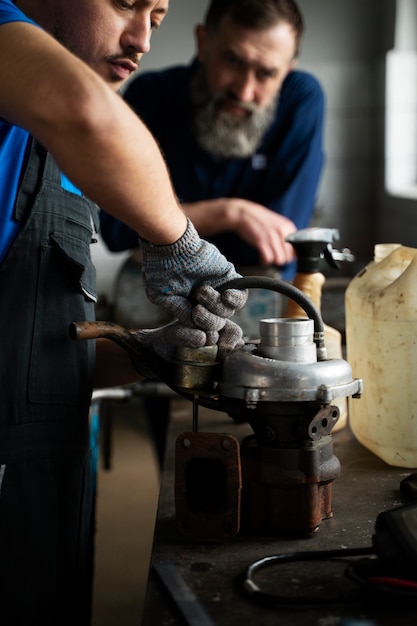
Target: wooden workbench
{"x":213,"y":569}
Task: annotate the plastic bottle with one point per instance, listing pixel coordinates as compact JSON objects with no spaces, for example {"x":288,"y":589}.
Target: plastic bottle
{"x":381,"y":344}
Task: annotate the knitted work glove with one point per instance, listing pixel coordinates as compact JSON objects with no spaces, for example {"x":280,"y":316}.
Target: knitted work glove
{"x":165,"y":339}
{"x":230,"y":337}
{"x":219,"y":329}
{"x":173,"y":274}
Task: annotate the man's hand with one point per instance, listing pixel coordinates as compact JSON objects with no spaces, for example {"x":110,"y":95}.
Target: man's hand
{"x":262,"y":228}
{"x":174,"y":275}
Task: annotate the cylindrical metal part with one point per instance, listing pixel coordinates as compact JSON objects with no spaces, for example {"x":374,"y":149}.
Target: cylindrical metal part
{"x":194,"y":366}
{"x":288,"y":339}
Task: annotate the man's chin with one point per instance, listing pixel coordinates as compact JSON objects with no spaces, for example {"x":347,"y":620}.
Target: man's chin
{"x":116,"y":85}
{"x":227,"y":145}
{"x":229,"y":130}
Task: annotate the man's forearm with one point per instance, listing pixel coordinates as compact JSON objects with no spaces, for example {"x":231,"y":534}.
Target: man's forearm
{"x":212,"y":216}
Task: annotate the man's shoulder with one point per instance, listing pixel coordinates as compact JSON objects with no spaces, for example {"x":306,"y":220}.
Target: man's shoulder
{"x":160,"y":98}
{"x":301,"y":91}
{"x":302,"y":81}
{"x":156,"y":83}
{"x":165,"y":74}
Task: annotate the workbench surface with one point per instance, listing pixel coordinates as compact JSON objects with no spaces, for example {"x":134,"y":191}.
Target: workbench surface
{"x":213,"y":570}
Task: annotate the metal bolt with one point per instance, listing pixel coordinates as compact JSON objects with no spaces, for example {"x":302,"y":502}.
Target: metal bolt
{"x":186,"y":443}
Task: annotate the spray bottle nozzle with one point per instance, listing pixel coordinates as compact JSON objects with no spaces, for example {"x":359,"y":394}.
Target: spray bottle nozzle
{"x":314,"y":244}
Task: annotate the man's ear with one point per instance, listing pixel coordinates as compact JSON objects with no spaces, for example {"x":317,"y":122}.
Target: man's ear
{"x":201,"y":39}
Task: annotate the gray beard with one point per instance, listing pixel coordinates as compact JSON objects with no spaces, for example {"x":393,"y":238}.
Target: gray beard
{"x":221,"y":133}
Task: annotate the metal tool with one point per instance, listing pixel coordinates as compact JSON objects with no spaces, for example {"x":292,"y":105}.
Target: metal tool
{"x":280,"y":477}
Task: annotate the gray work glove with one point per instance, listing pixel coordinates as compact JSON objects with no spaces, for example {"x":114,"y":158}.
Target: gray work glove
{"x":165,"y":339}
{"x":193,"y":268}
{"x":212,"y":313}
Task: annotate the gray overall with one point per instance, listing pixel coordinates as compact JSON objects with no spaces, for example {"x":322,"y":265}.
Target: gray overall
{"x":47,"y":281}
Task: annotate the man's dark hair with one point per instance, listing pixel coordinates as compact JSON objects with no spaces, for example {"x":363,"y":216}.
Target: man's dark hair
{"x":256,"y":15}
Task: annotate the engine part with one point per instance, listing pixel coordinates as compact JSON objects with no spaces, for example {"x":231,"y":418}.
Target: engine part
{"x":208,"y":482}
{"x":279,"y":478}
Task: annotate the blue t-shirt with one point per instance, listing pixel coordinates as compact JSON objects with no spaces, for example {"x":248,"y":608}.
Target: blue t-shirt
{"x":10,"y":13}
{"x":14,"y":148}
{"x":14,"y":143}
{"x":283,"y":175}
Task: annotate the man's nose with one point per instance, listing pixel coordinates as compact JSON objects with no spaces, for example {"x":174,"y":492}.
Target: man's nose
{"x":137,"y":34}
{"x":244,"y":86}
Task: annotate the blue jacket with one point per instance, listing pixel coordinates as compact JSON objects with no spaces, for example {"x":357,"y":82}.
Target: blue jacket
{"x":283,"y":175}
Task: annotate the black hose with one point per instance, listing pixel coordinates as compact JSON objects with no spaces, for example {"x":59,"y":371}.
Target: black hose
{"x":280,"y":286}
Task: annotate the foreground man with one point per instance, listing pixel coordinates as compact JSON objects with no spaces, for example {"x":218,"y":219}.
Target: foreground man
{"x":97,"y":147}
{"x":241,"y":131}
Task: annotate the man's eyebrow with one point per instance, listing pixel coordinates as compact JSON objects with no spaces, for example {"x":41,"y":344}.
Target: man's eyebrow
{"x":162,"y":10}
{"x":147,"y":3}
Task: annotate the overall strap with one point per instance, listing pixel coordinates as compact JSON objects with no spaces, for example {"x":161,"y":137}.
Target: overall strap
{"x":38,"y":162}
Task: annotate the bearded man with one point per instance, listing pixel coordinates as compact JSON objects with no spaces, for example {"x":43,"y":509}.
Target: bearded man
{"x":241,"y":131}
